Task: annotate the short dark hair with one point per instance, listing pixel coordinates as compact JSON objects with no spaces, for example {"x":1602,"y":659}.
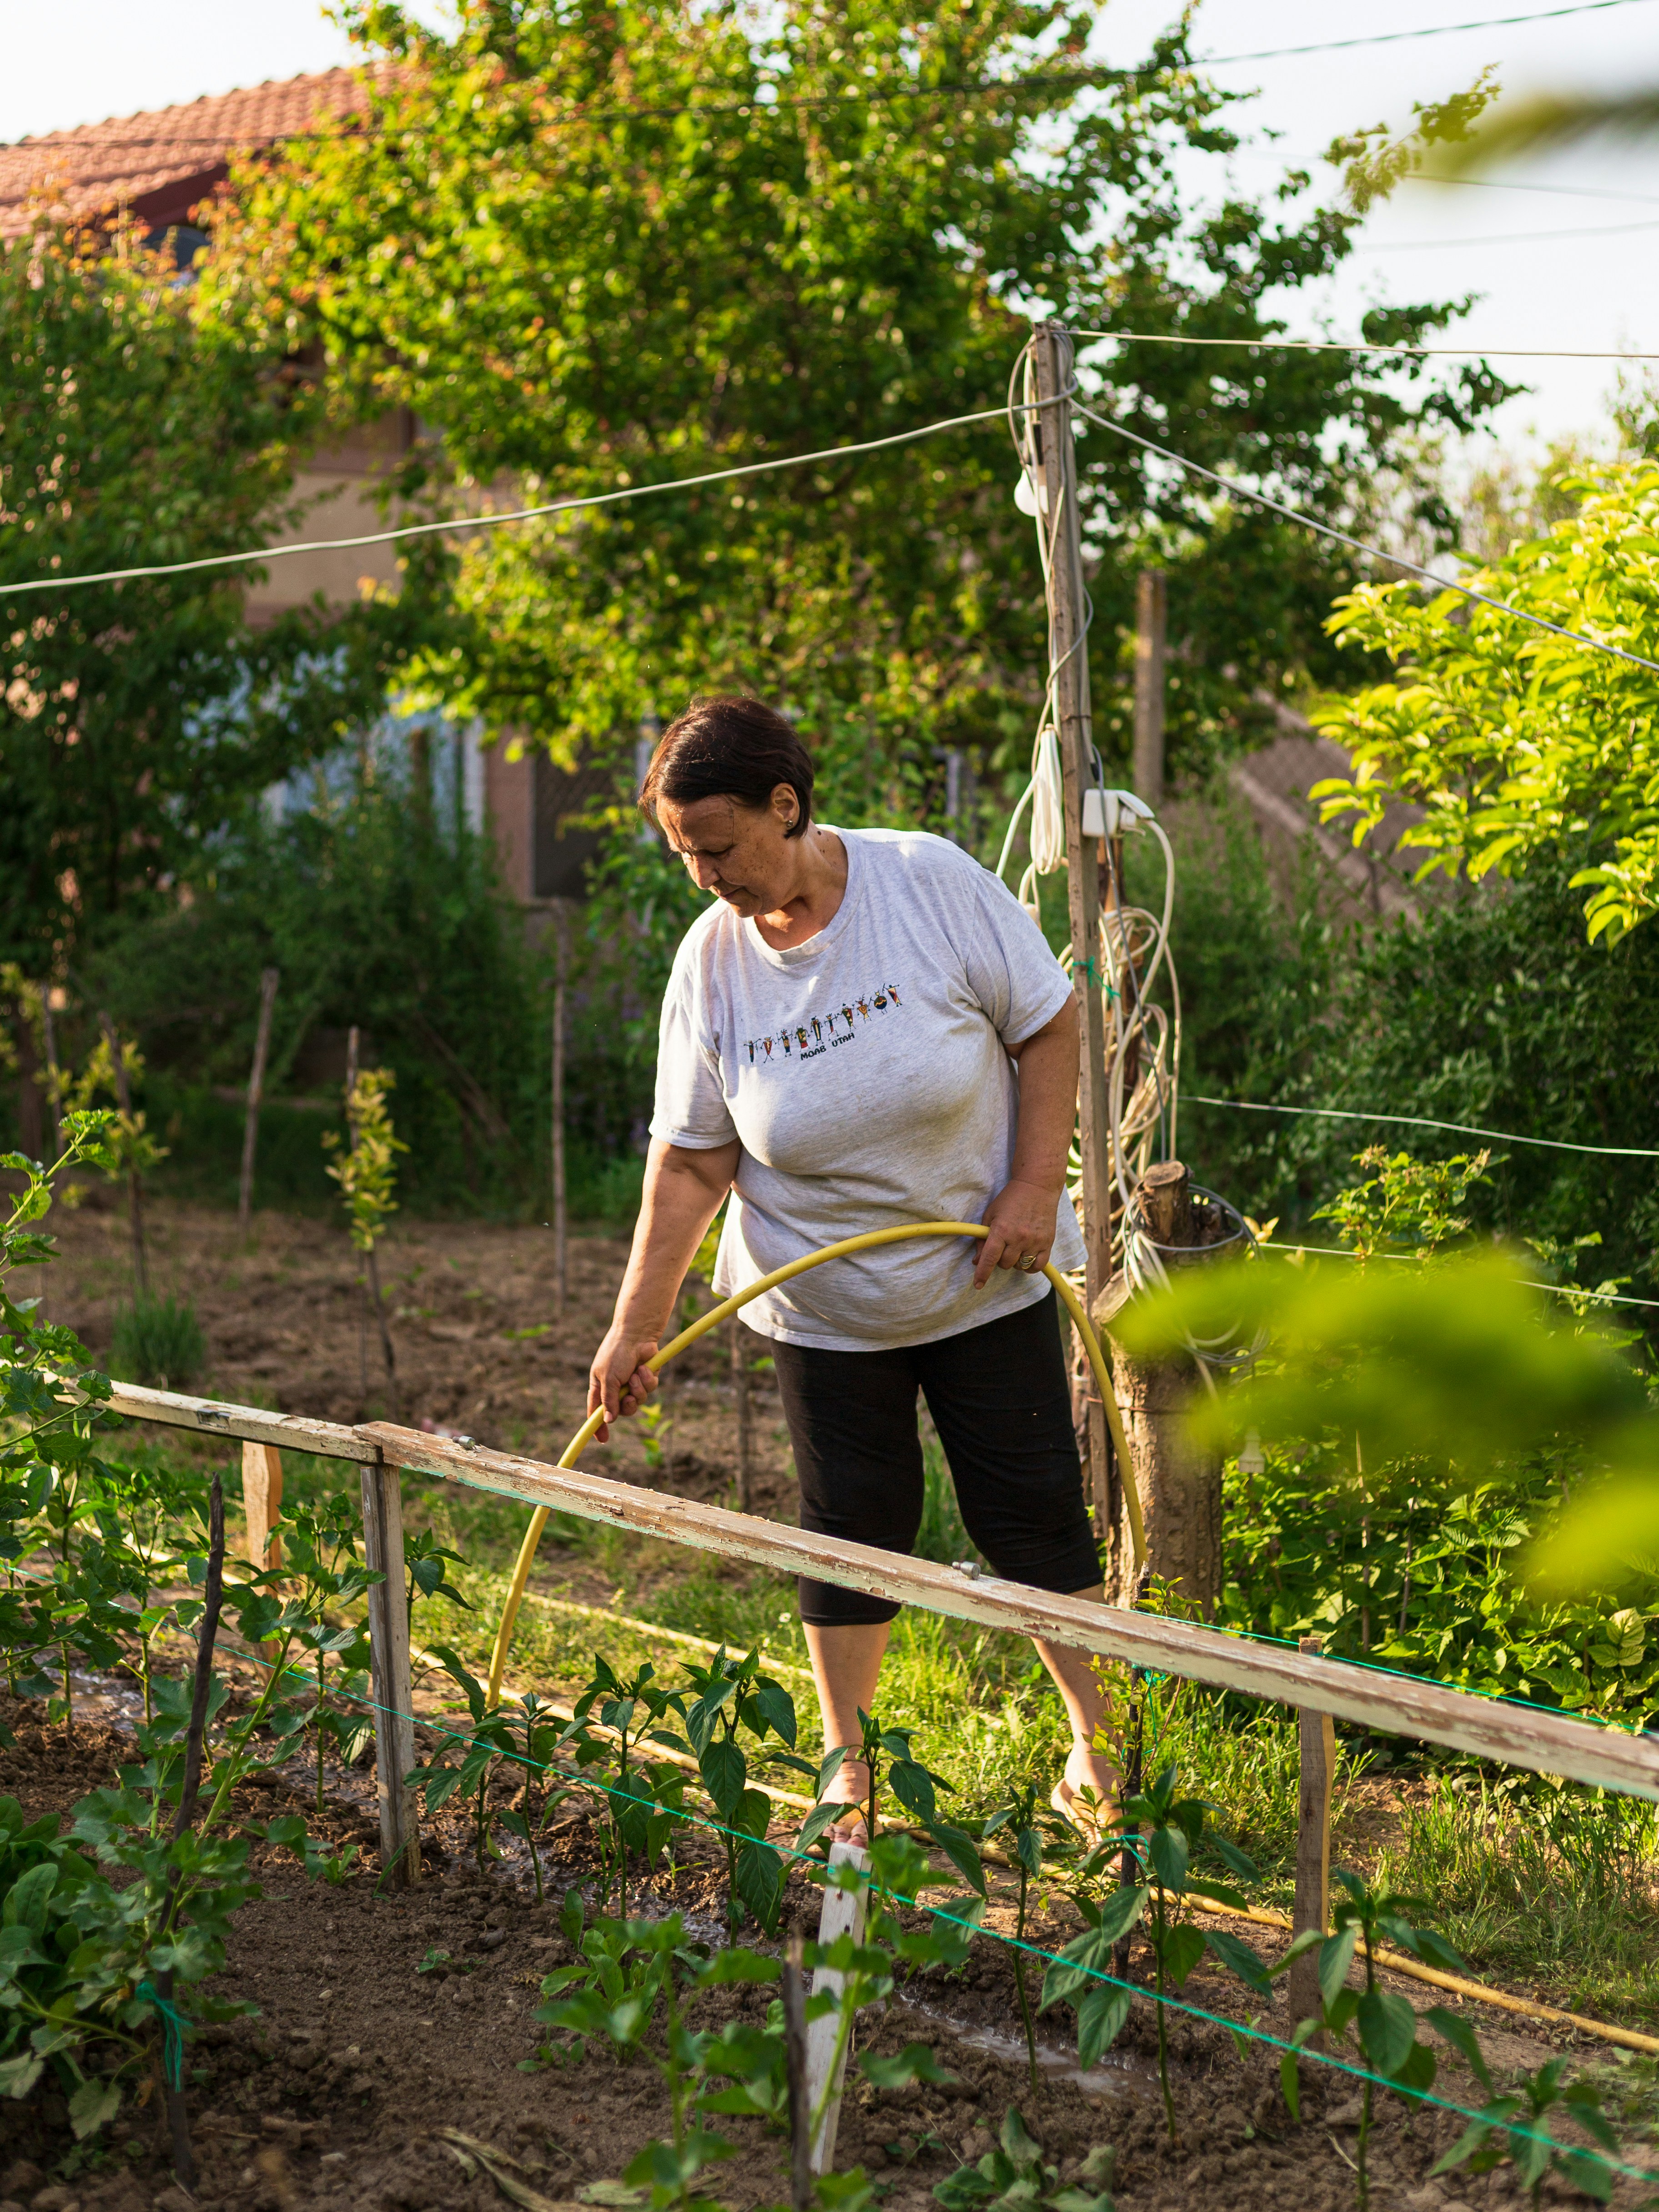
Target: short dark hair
{"x":737,"y":749}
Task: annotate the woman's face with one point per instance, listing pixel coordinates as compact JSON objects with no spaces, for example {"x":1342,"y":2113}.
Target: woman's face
{"x":743,"y":854}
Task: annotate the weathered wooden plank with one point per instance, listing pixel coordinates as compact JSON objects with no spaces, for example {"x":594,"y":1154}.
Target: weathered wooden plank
{"x":255,"y":1423}
{"x":388,"y":1647}
{"x":1547,"y":1742}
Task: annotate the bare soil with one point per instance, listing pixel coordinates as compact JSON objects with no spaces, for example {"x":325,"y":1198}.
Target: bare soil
{"x":335,"y":2092}
{"x":478,"y":1348}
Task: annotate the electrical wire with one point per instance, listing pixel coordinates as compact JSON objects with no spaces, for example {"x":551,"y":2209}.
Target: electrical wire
{"x":1558,"y":1289}
{"x":463,"y":523}
{"x":1421,"y":1122}
{"x":1504,"y":237}
{"x":518,"y":515}
{"x":1423,"y":31}
{"x":1360,"y":345}
{"x":1326,"y":530}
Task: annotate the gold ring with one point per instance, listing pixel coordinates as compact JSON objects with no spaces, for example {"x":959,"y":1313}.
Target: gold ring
{"x":1031,"y":1263}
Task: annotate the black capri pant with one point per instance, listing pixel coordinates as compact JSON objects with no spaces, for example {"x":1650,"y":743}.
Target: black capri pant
{"x":1001,"y":1404}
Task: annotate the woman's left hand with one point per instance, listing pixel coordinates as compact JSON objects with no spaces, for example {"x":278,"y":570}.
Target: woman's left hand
{"x":1021,"y":1219}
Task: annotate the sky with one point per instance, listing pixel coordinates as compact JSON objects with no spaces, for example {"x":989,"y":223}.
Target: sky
{"x":1562,"y":254}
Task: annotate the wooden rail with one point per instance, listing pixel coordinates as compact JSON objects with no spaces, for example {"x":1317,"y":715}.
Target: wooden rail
{"x":1395,"y":1705}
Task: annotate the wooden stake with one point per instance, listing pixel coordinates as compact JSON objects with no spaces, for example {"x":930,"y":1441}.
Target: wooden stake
{"x":561,"y":1227}
{"x":1048,"y":376}
{"x":49,"y":1036}
{"x":845,"y":1911}
{"x":1150,"y":606}
{"x":256,"y":1091}
{"x":800,"y":2108}
{"x":389,"y":1676}
{"x":1313,"y":1841}
{"x":213,"y":1591}
{"x":741,"y":1389}
{"x":352,"y":1041}
{"x":262,"y":1503}
{"x":134,"y":1196}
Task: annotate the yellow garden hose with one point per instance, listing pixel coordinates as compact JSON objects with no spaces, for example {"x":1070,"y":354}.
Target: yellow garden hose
{"x":584,"y":1436}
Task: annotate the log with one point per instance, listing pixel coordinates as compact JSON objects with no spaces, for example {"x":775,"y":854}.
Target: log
{"x":262,"y":1502}
{"x":388,"y":1645}
{"x":1395,"y":1704}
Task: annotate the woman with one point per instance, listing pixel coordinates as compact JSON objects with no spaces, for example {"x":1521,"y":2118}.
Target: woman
{"x":932,"y":985}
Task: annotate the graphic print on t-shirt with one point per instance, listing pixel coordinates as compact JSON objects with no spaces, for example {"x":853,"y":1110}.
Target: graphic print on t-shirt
{"x":812,"y":1038}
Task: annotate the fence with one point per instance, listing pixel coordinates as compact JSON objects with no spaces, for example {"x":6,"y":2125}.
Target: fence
{"x":1301,"y":1678}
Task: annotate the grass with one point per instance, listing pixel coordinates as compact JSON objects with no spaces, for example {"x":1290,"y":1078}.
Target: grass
{"x":1550,"y":1886}
{"x":158,"y":1342}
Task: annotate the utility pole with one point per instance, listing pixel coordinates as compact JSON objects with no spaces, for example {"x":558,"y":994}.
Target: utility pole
{"x":1048,"y":377}
{"x":1150,"y":619}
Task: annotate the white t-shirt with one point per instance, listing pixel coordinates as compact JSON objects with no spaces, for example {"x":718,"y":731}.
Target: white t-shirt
{"x":865,"y":1074}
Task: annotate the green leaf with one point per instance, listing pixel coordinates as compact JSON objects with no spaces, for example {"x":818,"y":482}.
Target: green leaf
{"x":19,"y":2076}
{"x":1167,"y":1850}
{"x":736,"y":1965}
{"x":1183,"y":1946}
{"x":778,"y":1708}
{"x":959,"y":1847}
{"x":1335,"y":1957}
{"x":725,"y":1773}
{"x":1462,"y":2038}
{"x":26,"y":1900}
{"x":1240,"y":1960}
{"x":1291,"y":2086}
{"x":1388,"y":2028}
{"x":1101,"y":2015}
{"x":92,"y":2104}
{"x":916,"y":2063}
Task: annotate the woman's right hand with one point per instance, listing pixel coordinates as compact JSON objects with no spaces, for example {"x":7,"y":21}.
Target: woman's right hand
{"x":620,"y":1379}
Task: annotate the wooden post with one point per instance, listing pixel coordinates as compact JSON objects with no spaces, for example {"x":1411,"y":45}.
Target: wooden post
{"x":53,"y":1100}
{"x":262,"y":1503}
{"x":845,"y":1911}
{"x":1150,"y":606}
{"x":561,"y":1228}
{"x":1048,"y":375}
{"x":388,"y":1645}
{"x":135,"y":1195}
{"x":742,"y":1392}
{"x":256,"y":1091}
{"x":1318,"y":1735}
{"x":353,"y":1045}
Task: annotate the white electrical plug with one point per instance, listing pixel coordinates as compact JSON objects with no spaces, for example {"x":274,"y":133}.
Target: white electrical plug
{"x":1112,"y":813}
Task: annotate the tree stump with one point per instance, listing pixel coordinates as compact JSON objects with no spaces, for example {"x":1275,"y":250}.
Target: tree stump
{"x":1179,"y":1478}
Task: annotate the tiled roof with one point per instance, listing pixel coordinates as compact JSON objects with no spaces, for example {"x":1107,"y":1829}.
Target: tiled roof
{"x":160,"y":163}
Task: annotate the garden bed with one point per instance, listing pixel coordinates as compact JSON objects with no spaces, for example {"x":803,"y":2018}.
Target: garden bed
{"x":337,"y":2092}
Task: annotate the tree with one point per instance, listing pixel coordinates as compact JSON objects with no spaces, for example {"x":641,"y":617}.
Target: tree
{"x":1517,"y":744}
{"x":592,"y":247}
{"x":137,"y":718}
